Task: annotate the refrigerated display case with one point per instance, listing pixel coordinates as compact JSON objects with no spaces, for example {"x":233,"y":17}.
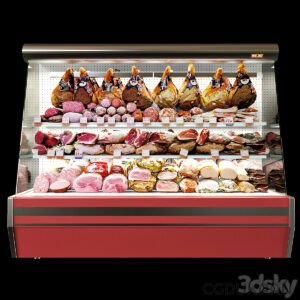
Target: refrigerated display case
{"x":199,"y":174}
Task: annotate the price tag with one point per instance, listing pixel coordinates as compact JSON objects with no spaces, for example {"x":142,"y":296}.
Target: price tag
{"x":66,"y":121}
{"x":117,"y":153}
{"x":145,"y":153}
{"x":228,"y":121}
{"x":111,"y":121}
{"x":50,"y":153}
{"x":78,"y":154}
{"x":212,"y":121}
{"x":146,"y":121}
{"x":130,"y":121}
{"x":179,"y":121}
{"x":244,"y":154}
{"x":183,"y":153}
{"x":35,"y":153}
{"x":199,"y":121}
{"x":83,"y":121}
{"x":214,"y":154}
{"x":37,"y":121}
{"x":165,"y":121}
{"x":249,"y":121}
{"x":59,"y":153}
{"x":100,"y":121}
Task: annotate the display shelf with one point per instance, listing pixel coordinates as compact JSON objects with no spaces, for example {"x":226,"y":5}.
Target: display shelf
{"x":30,"y":193}
{"x":26,"y":156}
{"x":153,"y":125}
{"x":274,"y":126}
{"x":221,"y":156}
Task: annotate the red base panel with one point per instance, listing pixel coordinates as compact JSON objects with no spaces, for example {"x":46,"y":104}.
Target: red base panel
{"x":145,"y":227}
{"x":151,"y":242}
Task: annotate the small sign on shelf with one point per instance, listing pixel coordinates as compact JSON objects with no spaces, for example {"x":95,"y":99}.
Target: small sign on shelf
{"x":179,"y":121}
{"x":146,"y":121}
{"x":37,"y":121}
{"x":228,"y":121}
{"x":165,"y":121}
{"x":183,"y":153}
{"x":111,"y":121}
{"x":83,"y":121}
{"x":50,"y":153}
{"x":130,"y":121}
{"x":117,"y":153}
{"x":145,"y":153}
{"x":212,"y":121}
{"x":100,"y":121}
{"x":214,"y":154}
{"x":245,"y":154}
{"x":199,"y":121}
{"x":59,"y":153}
{"x":35,"y":153}
{"x":78,"y":154}
{"x":249,"y":121}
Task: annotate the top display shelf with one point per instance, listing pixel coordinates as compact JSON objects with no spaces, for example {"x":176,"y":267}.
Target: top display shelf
{"x":154,"y":53}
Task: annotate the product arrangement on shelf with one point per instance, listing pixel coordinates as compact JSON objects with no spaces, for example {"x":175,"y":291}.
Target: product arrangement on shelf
{"x":156,"y":133}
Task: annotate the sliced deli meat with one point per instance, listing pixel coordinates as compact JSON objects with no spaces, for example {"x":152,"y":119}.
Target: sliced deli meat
{"x":59,"y":186}
{"x":87,"y":138}
{"x":124,"y":149}
{"x":139,"y":174}
{"x":90,"y":149}
{"x":154,"y":148}
{"x":115,"y":183}
{"x":167,"y":186}
{"x":111,"y":137}
{"x":88,"y":183}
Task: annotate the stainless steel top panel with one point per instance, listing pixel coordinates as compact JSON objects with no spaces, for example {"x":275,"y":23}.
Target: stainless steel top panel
{"x":168,"y":52}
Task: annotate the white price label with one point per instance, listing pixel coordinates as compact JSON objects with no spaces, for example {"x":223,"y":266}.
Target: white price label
{"x":146,"y":121}
{"x":228,"y":121}
{"x":245,"y":154}
{"x":78,"y":154}
{"x":199,"y":121}
{"x":37,"y":121}
{"x":183,"y":153}
{"x":59,"y":153}
{"x":214,"y":153}
{"x":111,"y":121}
{"x":100,"y":121}
{"x":83,"y":121}
{"x":35,"y":152}
{"x":249,"y":121}
{"x":165,"y":121}
{"x":145,"y":153}
{"x":117,"y":153}
{"x":179,"y":121}
{"x":212,"y":121}
{"x":65,"y":121}
{"x":51,"y":153}
{"x":130,"y":121}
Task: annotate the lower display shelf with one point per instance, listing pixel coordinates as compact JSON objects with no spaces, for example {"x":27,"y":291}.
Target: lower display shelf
{"x":141,"y":225}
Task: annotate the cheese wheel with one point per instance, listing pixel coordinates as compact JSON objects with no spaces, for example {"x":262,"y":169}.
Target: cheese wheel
{"x":208,"y":169}
{"x":227,"y":169}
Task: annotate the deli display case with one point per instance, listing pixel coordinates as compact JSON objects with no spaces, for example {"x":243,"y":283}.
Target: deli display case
{"x":151,"y":151}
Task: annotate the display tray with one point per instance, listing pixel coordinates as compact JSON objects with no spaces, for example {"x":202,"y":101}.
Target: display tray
{"x":153,"y":125}
{"x":133,"y":194}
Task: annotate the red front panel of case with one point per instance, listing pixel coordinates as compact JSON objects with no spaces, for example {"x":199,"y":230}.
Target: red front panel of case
{"x":151,"y":241}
